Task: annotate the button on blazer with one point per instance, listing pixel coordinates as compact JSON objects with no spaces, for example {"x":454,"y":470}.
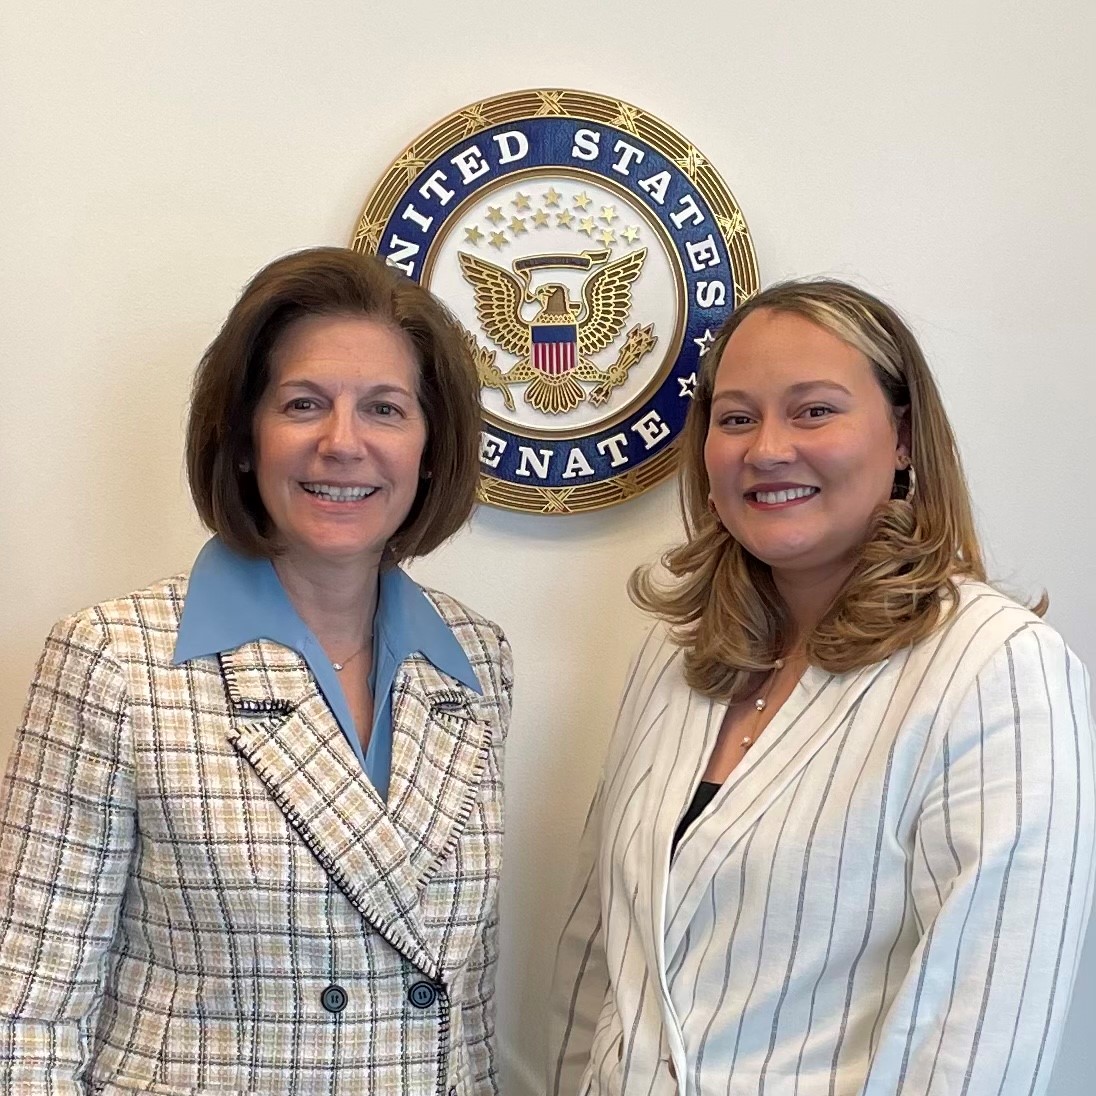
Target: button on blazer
{"x":887,"y":896}
{"x":201,"y":892}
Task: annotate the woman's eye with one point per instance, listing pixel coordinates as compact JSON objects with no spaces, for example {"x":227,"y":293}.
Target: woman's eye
{"x":818,"y":411}
{"x":735,"y":420}
{"x":301,"y":403}
{"x":386,"y":410}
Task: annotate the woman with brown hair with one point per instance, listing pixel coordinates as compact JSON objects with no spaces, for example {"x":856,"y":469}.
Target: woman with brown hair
{"x":251,"y":827}
{"x":843,"y":842}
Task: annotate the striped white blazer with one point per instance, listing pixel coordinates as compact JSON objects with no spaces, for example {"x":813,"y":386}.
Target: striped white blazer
{"x":888,"y":896}
{"x":201,"y":892}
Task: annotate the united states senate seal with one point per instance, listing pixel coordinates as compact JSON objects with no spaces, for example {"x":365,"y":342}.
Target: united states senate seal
{"x":590,"y":251}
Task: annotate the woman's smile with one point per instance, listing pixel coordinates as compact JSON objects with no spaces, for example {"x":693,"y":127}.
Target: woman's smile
{"x":775,"y":496}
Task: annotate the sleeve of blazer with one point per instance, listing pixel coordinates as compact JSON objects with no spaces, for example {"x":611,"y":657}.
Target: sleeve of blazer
{"x":581,"y":979}
{"x":66,"y":836}
{"x":582,"y":973}
{"x":478,"y":1009}
{"x":1001,"y":882}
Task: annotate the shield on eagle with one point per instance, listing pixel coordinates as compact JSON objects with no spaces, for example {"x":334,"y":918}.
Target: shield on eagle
{"x":554,"y":347}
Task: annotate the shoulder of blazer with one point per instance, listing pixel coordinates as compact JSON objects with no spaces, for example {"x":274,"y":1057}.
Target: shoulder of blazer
{"x":140,"y":626}
{"x":485,"y":644}
{"x":972,"y":631}
{"x":983,"y":616}
{"x":657,"y":667}
{"x":655,"y":679}
{"x":106,"y":654}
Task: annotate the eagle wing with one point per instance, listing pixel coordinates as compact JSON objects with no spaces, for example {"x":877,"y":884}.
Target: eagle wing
{"x":608,"y":299}
{"x":498,"y":303}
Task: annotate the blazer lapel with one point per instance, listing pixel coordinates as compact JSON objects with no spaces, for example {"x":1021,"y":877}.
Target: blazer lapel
{"x":440,"y":741}
{"x":285,"y":730}
{"x":809,"y":718}
{"x":691,"y":723}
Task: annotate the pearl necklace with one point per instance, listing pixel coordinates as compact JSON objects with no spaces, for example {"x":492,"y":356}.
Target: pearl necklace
{"x":762,"y":702}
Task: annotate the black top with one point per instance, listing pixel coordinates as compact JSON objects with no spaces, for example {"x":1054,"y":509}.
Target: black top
{"x":705,"y":792}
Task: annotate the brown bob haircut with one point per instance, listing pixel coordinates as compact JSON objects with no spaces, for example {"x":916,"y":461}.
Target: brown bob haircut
{"x":235,"y":370}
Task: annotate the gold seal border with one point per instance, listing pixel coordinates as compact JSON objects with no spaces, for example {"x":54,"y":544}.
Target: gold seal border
{"x":583,"y":106}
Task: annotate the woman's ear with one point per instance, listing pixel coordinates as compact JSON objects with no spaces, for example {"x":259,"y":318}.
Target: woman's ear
{"x":904,"y":447}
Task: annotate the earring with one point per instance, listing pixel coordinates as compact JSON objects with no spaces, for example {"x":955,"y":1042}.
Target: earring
{"x":905,"y":492}
{"x":244,"y":466}
{"x":911,"y":490}
{"x":897,"y":491}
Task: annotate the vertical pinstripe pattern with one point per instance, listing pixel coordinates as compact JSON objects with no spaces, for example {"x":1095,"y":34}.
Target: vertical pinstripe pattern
{"x":190,"y":854}
{"x":888,"y":895}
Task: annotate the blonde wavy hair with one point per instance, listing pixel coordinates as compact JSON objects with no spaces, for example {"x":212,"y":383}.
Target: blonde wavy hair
{"x":723,"y":606}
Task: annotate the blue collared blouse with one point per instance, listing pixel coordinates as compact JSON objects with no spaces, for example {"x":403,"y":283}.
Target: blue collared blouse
{"x":232,"y":600}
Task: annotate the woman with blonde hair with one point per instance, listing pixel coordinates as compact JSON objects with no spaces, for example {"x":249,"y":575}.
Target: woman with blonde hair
{"x":843,"y":842}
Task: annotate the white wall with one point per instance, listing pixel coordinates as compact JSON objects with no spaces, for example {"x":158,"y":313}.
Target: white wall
{"x":154,"y":155}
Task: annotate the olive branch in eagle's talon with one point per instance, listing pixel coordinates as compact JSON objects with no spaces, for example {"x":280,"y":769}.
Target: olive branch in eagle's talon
{"x":490,"y":376}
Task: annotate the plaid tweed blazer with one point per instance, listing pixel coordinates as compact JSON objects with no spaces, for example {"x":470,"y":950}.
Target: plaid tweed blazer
{"x":201,"y":892}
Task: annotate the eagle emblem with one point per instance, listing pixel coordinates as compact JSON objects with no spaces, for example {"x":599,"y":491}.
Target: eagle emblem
{"x":556,"y":346}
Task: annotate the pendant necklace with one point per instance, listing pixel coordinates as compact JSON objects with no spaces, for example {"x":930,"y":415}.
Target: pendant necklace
{"x":762,"y":702}
{"x":340,"y":666}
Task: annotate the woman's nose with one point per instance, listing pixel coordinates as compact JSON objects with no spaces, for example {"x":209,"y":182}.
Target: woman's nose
{"x":341,"y":437}
{"x":772,"y":445}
